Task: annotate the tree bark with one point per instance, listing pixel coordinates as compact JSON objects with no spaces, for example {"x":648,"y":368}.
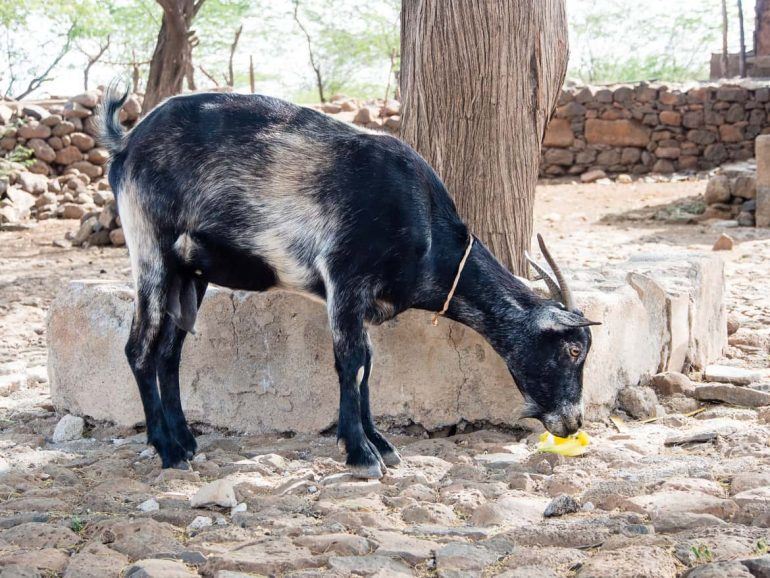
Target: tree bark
{"x":479,"y":82}
{"x":762,"y":29}
{"x":725,"y":54}
{"x":172,"y":59}
{"x":742,"y":55}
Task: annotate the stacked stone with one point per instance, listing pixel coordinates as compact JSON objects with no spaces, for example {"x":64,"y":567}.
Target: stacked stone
{"x":644,"y":128}
{"x":375,"y":114}
{"x":99,"y":227}
{"x":64,"y":174}
{"x":731,"y":195}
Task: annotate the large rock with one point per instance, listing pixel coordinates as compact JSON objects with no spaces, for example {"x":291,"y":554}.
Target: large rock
{"x":263,"y":362}
{"x":617,"y":133}
{"x":559,"y":134}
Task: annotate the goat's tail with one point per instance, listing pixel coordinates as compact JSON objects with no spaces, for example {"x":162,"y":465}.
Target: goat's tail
{"x":111,"y":133}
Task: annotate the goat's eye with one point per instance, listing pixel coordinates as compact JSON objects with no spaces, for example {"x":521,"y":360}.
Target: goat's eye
{"x":574,"y":351}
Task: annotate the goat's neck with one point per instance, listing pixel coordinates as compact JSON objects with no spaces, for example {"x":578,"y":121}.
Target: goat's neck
{"x":489,"y":296}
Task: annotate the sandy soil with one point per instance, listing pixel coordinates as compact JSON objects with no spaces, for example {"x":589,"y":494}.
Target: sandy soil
{"x":648,"y":504}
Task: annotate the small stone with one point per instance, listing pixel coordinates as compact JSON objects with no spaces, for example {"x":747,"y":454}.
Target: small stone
{"x":158,"y":568}
{"x":639,"y":402}
{"x":561,"y":505}
{"x":672,"y":522}
{"x":365,"y":116}
{"x":670,"y":383}
{"x":724,"y":243}
{"x":242,"y":507}
{"x":199,"y":523}
{"x":150,"y":505}
{"x":592,"y":176}
{"x":217,"y":493}
{"x":718,"y":190}
{"x":692,"y":438}
{"x":70,"y":427}
{"x":340,"y":544}
{"x":118,"y":238}
{"x":733,"y":324}
{"x":72,"y":211}
{"x":730,"y":374}
{"x":735,"y":395}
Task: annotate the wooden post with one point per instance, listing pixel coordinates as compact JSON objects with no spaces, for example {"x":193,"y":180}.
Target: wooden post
{"x":725,"y":61}
{"x":251,"y":74}
{"x":742,"y":70}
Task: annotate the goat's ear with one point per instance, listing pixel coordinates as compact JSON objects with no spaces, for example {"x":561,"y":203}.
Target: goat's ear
{"x":555,"y":319}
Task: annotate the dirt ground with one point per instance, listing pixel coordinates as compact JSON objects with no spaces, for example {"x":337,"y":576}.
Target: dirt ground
{"x":676,"y":495}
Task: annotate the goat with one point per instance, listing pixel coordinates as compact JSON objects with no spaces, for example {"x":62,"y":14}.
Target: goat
{"x":254,"y":193}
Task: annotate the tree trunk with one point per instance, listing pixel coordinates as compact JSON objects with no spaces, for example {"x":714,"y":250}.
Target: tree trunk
{"x":479,"y":81}
{"x":762,"y":29}
{"x":725,"y":57}
{"x":742,"y":54}
{"x":172,"y":59}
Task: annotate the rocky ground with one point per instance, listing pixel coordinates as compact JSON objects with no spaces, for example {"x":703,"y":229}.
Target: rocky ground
{"x":682,"y":493}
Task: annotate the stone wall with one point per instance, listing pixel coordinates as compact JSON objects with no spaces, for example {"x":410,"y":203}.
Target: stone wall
{"x":262,"y":362}
{"x":646,"y":128}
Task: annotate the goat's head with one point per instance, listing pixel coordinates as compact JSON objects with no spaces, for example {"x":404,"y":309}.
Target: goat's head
{"x":548,"y":364}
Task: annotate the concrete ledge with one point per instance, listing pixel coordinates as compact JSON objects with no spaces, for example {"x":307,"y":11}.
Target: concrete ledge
{"x":263,"y":362}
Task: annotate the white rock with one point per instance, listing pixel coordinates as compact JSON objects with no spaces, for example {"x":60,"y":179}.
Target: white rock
{"x":69,"y":428}
{"x":216,"y":493}
{"x":735,"y":375}
{"x":150,"y":505}
{"x":242,"y":507}
{"x":199,"y":523}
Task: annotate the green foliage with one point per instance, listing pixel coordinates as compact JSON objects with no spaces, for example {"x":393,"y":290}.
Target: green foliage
{"x":612,"y":41}
{"x":21,"y":154}
{"x":702,"y":553}
{"x":77,"y":524}
{"x":761,"y":548}
{"x":347,"y":38}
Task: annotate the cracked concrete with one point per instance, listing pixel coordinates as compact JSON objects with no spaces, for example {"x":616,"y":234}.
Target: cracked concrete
{"x":263,"y":363}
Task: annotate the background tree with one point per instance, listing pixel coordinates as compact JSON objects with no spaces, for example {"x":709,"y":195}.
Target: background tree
{"x":668,"y":41}
{"x":343,"y":40}
{"x":26,"y":66}
{"x":172,"y":58}
{"x":476,"y":100}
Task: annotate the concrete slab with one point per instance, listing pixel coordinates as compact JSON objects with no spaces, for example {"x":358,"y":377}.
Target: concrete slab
{"x":263,"y":362}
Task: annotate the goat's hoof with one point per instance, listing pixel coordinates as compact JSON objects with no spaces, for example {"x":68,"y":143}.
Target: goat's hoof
{"x":391,"y":459}
{"x":366,"y":472}
{"x":182,"y":465}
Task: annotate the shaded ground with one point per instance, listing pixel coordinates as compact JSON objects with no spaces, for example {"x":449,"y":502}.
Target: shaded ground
{"x":466,"y":505}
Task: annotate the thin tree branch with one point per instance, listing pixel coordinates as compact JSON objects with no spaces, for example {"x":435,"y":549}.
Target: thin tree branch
{"x":208,"y":75}
{"x":231,"y":75}
{"x":316,"y":67}
{"x":37,"y":81}
{"x":93,"y":59}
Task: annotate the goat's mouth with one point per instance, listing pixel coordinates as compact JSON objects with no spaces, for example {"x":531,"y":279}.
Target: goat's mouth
{"x":562,"y":423}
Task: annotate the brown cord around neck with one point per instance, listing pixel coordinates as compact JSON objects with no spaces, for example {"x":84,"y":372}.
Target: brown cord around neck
{"x":454,"y":283}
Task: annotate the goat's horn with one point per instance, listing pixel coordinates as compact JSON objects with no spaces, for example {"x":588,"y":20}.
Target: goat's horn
{"x":553,"y":287}
{"x":565,"y":290}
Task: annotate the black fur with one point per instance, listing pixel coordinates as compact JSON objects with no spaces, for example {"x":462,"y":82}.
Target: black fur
{"x":359,"y":219}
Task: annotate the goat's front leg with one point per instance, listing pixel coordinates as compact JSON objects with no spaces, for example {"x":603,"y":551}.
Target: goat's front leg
{"x":350,"y":355}
{"x":387,"y":450}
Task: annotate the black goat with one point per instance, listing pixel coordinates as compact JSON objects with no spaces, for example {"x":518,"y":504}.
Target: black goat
{"x":254,"y":193}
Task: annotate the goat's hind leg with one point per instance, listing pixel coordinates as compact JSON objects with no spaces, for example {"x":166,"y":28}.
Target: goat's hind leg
{"x":142,"y":353}
{"x":185,"y":298}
